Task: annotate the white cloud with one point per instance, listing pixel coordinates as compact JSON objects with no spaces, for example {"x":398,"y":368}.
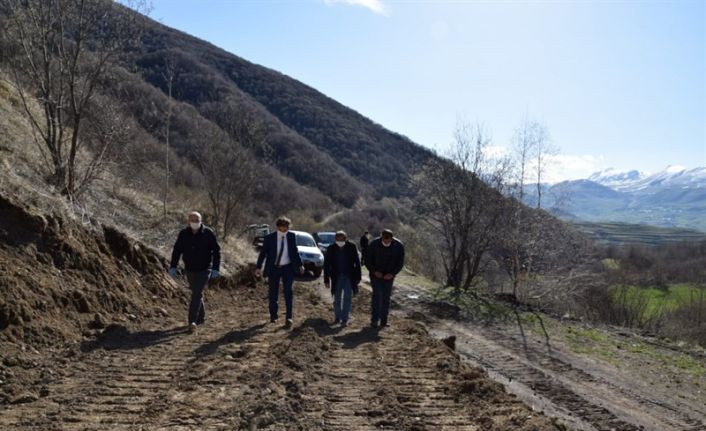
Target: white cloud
{"x":563,"y":167}
{"x":374,"y":5}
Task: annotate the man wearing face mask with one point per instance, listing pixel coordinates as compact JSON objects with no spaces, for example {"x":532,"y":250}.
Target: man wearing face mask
{"x":384,"y":259}
{"x":198,"y":246}
{"x":342,"y":275}
{"x":280,"y":250}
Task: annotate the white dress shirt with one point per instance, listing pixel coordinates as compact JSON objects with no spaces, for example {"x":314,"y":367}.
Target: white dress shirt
{"x":285,"y":260}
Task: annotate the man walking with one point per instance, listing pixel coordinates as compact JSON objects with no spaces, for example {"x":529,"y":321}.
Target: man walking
{"x":363,"y":247}
{"x":342,"y":275}
{"x":279,"y":252}
{"x":384,"y":259}
{"x":198,"y":246}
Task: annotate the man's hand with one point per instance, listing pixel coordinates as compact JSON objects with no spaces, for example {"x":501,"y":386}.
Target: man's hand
{"x":388,"y":277}
{"x":377,"y":274}
{"x":173,"y":272}
{"x":258,"y":273}
{"x":215,"y":274}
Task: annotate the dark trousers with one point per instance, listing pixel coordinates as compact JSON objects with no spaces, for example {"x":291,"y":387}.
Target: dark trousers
{"x":197,"y":283}
{"x":380,"y":307}
{"x":286,"y":274}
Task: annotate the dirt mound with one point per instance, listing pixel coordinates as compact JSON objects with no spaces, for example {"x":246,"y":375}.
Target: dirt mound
{"x":61,"y":280}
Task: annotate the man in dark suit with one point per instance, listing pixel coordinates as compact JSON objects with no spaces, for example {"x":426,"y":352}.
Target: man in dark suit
{"x":281,"y":258}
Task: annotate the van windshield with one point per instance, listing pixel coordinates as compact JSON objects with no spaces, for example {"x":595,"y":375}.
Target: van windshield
{"x":326,"y":237}
{"x":305,"y":241}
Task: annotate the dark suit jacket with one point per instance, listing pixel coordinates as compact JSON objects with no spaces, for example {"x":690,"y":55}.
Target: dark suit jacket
{"x":269,"y":252}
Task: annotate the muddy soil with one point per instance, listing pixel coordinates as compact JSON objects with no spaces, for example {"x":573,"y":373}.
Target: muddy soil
{"x":239,"y":371}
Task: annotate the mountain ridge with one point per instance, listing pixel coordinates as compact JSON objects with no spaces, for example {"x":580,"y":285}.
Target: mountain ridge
{"x":673,"y":197}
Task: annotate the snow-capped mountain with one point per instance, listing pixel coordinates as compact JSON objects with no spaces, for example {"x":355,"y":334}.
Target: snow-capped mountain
{"x":672,"y":176}
{"x":616,"y":179}
{"x":673,"y":197}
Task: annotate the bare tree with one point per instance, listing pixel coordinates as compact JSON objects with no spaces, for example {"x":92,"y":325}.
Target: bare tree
{"x":107,"y":131}
{"x":61,"y":50}
{"x":168,"y":75}
{"x":229,"y":172}
{"x":537,"y":137}
{"x":460,"y":200}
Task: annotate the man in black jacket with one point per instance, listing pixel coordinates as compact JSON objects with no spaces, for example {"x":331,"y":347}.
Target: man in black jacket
{"x":363,"y":247}
{"x":384,"y":259}
{"x":342,"y":275}
{"x":198,"y":246}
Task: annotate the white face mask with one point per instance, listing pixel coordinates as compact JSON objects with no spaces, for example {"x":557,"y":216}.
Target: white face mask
{"x":340,"y":243}
{"x":386,"y":245}
{"x":195,"y":226}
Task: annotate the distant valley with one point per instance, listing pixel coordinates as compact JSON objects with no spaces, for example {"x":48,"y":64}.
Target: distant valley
{"x":672,"y":198}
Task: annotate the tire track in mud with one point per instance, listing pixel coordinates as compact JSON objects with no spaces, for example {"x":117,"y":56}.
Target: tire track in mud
{"x":358,"y":389}
{"x":239,"y":373}
{"x":110,"y":389}
{"x":584,"y":400}
{"x":397,"y":378}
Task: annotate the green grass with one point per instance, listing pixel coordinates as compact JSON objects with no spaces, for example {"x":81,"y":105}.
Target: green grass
{"x":604,"y":345}
{"x":659,"y":301}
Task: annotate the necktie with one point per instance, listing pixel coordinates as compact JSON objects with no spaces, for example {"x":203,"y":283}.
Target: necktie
{"x":281,"y":250}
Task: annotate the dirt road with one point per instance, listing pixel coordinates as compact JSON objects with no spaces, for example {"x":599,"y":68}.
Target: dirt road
{"x":585,"y":393}
{"x":241,"y":372}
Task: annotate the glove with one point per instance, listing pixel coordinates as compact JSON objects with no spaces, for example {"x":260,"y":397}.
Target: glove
{"x":215,"y":274}
{"x":173,"y":272}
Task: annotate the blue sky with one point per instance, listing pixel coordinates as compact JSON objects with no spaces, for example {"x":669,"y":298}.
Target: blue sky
{"x":618,"y":84}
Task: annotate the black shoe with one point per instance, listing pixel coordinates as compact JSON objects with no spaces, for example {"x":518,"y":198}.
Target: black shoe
{"x":288,"y":323}
{"x":384,"y":325}
{"x":344,"y":324}
{"x":273,"y":319}
{"x":337,"y":321}
{"x":374,"y":324}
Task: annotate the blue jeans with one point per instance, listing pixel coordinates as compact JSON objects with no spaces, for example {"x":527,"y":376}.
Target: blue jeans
{"x":197,"y":283}
{"x":380,"y":306}
{"x":286,"y":274}
{"x":344,"y":289}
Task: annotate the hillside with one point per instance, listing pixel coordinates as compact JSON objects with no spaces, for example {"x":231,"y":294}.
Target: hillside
{"x":311,"y":151}
{"x":297,"y":115}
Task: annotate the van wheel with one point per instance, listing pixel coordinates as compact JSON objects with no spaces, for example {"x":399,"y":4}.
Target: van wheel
{"x":317,"y":272}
